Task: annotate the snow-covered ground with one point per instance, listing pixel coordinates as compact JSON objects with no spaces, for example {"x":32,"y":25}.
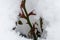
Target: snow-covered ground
{"x":9,"y":9}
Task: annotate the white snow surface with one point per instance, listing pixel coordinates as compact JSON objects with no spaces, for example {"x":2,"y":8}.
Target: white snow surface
{"x":49,"y":9}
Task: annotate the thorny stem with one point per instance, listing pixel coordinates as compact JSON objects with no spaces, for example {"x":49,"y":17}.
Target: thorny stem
{"x":28,"y":20}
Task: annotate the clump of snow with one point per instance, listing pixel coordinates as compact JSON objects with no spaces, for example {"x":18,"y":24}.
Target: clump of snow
{"x":8,"y":14}
{"x":50,"y":10}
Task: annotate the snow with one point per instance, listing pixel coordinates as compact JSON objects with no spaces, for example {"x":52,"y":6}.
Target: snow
{"x":50,"y":12}
{"x":9,"y":9}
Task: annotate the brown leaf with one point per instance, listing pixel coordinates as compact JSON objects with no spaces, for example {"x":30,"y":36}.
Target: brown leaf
{"x":31,"y":13}
{"x":38,"y":33}
{"x":32,"y":31}
{"x":41,"y":23}
{"x":22,"y":4}
{"x":14,"y":28}
{"x":22,"y":15}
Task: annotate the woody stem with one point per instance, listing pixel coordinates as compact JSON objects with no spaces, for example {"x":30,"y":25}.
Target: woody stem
{"x":28,"y":20}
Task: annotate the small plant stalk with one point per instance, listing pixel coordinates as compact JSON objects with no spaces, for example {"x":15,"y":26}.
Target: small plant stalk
{"x":28,"y":20}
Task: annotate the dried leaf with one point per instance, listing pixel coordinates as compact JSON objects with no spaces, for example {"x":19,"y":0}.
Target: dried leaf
{"x":22,"y":15}
{"x":31,"y":13}
{"x":14,"y":28}
{"x":20,"y":22}
{"x":23,"y":4}
{"x":38,"y":33}
{"x":33,"y":29}
{"x":41,"y":23}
